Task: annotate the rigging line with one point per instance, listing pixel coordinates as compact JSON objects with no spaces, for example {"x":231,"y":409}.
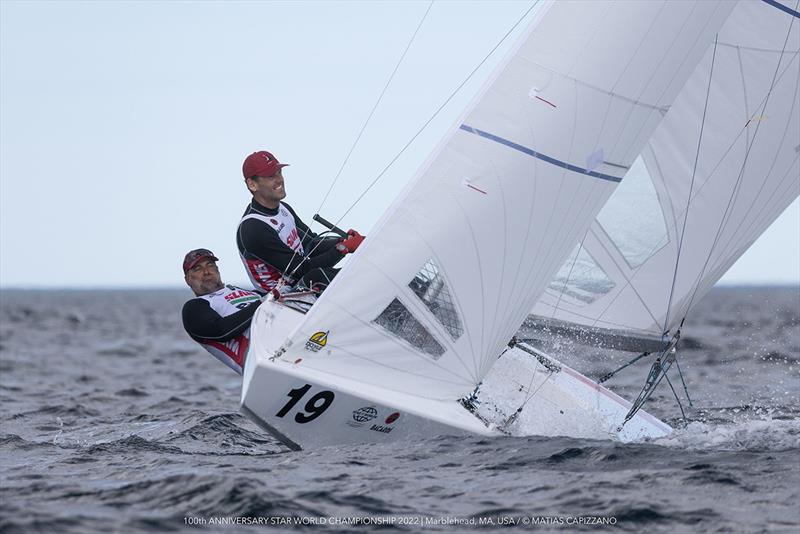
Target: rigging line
{"x":741,"y":173}
{"x":511,"y":419}
{"x":438,"y":110}
{"x":744,"y":90}
{"x":677,"y":399}
{"x":375,"y":106}
{"x":569,"y":274}
{"x":766,"y":203}
{"x":691,"y":187}
{"x":764,"y":210}
{"x":668,"y":86}
{"x":425,"y":125}
{"x":685,"y":389}
{"x":745,"y":242}
{"x":672,"y":226}
{"x":657,"y":373}
{"x":623,"y":267}
{"x":608,"y":376}
{"x":366,"y":122}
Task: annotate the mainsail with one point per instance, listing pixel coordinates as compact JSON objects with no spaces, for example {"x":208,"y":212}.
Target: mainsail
{"x":455,"y":265}
{"x":721,"y":167}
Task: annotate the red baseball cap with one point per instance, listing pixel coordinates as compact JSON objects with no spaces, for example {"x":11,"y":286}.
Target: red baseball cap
{"x":261,"y":164}
{"x":194,"y":256}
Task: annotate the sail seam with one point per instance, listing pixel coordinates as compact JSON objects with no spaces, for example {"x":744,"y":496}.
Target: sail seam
{"x":735,"y":192}
{"x":685,"y":57}
{"x":691,"y":187}
{"x":527,"y":282}
{"x":644,"y":88}
{"x":618,"y":96}
{"x":789,"y":123}
{"x":604,"y":244}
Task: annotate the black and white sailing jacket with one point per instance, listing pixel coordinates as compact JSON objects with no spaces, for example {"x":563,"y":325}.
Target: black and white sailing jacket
{"x":220,"y":322}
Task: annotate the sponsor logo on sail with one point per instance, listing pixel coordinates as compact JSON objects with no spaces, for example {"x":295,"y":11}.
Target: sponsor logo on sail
{"x":381,"y":428}
{"x":317,"y":341}
{"x":392,"y":418}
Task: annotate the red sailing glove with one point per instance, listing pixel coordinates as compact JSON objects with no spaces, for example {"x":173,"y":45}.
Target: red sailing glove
{"x":351,"y":243}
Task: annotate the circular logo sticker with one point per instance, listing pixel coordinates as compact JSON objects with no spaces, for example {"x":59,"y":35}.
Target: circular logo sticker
{"x":367,"y":413}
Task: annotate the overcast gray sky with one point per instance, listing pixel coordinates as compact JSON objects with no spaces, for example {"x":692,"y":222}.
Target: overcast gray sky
{"x":124,"y":125}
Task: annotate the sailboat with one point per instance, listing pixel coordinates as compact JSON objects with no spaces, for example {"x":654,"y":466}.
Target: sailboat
{"x":618,"y":160}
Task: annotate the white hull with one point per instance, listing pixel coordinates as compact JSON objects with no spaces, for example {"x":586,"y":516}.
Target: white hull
{"x":305,"y":408}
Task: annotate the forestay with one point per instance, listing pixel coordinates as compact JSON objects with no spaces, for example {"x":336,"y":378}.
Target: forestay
{"x":747,"y":170}
{"x":455,"y":265}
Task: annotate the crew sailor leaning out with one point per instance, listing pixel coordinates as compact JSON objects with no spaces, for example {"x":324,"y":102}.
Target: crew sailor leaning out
{"x":273,"y":242}
{"x":219,"y":317}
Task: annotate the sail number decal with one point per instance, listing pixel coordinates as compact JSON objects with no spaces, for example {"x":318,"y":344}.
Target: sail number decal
{"x":315,"y":406}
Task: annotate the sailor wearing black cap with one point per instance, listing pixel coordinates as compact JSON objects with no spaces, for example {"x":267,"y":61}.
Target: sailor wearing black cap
{"x":219,"y":318}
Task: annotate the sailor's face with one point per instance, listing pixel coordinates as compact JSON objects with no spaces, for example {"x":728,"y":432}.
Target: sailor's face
{"x":204,"y":277}
{"x":268,"y":190}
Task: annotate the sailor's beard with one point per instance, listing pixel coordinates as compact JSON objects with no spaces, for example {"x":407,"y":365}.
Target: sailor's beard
{"x":211,"y":286}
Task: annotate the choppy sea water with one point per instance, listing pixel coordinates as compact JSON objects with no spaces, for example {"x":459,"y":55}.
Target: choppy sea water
{"x":114,"y":420}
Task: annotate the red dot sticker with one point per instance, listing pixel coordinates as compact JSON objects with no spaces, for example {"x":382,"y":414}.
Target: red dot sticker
{"x":392,"y":418}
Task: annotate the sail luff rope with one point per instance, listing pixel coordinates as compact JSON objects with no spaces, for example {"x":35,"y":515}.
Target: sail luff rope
{"x":741,"y":172}
{"x":691,"y":188}
{"x":425,"y":125}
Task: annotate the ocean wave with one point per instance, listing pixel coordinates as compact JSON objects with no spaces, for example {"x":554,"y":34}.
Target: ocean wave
{"x":747,"y":434}
{"x":222,"y":434}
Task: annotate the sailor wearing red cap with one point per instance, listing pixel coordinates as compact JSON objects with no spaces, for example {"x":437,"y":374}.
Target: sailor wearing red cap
{"x":273,"y":242}
{"x":219,"y":318}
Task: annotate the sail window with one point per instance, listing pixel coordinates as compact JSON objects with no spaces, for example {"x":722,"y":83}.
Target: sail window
{"x":398,"y":321}
{"x":632,"y":217}
{"x":429,"y":285}
{"x":581,"y":278}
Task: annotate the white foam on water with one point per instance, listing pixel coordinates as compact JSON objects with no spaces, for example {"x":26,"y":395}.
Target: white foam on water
{"x":751,"y":434}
